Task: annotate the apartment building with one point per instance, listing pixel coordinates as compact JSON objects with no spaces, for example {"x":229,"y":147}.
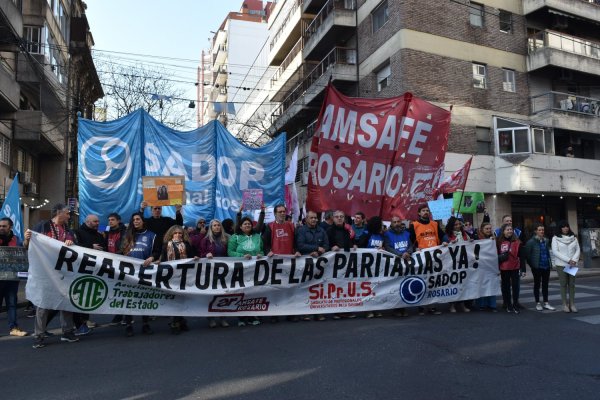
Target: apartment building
{"x":522,"y":78}
{"x":47,"y":78}
{"x":234,"y":48}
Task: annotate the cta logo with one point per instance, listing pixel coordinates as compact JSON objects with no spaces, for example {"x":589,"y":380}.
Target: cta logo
{"x":107,"y":155}
{"x":412,"y":290}
{"x":88,"y":293}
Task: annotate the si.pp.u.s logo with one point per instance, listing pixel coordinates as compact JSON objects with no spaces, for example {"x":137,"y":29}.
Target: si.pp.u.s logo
{"x":412,"y":289}
{"x":108,"y":164}
{"x":88,"y":293}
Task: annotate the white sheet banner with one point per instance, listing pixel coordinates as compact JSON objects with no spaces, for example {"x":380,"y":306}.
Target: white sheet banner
{"x":85,"y":280}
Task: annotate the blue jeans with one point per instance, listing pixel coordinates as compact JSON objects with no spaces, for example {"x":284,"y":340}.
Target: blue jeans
{"x":8,"y":294}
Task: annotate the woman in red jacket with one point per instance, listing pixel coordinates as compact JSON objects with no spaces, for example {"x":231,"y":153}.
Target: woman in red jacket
{"x":508,"y":245}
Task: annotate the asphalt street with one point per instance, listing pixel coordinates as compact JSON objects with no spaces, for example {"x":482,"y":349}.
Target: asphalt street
{"x":479,"y":355}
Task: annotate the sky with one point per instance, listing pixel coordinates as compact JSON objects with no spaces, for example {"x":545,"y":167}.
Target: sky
{"x":160,"y":28}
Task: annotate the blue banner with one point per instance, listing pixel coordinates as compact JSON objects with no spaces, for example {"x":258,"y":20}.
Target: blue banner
{"x":12,"y":208}
{"x":113,"y":157}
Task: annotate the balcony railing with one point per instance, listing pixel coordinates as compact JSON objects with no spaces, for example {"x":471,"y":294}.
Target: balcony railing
{"x":339,"y":55}
{"x":286,"y":20}
{"x":565,"y":102}
{"x":328,"y":9}
{"x":560,"y":41}
{"x":287,"y":61}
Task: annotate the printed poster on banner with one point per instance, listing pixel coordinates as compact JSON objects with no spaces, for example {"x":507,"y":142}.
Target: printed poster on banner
{"x":164,"y":190}
{"x":468,"y":202}
{"x":381,"y":155}
{"x":85,"y":280}
{"x":13,"y":263}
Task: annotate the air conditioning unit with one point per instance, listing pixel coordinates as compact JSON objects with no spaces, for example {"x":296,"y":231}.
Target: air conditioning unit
{"x":30,"y":188}
{"x":223,"y":91}
{"x":305,"y":178}
{"x":26,"y":177}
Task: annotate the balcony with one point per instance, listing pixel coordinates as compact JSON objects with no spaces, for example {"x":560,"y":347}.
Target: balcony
{"x":566,"y":111}
{"x":220,"y":54}
{"x":39,"y":134}
{"x":10,"y":91}
{"x":220,"y":75}
{"x":11,"y":20}
{"x":549,"y":48}
{"x":287,"y":32}
{"x":338,"y":65}
{"x":586,"y":9}
{"x":335,"y":21}
{"x":313,"y":6}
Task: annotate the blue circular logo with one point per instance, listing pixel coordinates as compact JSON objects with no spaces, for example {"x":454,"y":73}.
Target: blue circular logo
{"x":412,"y":290}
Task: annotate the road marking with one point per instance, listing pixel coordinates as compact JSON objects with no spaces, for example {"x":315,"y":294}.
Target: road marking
{"x":591,"y":319}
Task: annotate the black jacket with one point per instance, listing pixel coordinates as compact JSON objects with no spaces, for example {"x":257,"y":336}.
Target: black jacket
{"x":88,"y":237}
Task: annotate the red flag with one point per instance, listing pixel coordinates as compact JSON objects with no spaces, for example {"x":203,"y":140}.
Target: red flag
{"x":380,"y":156}
{"x":456,"y":181}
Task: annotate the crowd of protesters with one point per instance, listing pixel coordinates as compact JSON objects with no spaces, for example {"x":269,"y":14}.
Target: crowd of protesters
{"x":158,"y":238}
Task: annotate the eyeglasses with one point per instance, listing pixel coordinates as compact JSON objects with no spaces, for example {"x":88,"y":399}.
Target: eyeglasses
{"x":338,"y":216}
{"x":156,"y":208}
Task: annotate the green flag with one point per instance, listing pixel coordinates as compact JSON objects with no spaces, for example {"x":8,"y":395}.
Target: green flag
{"x":470,"y":202}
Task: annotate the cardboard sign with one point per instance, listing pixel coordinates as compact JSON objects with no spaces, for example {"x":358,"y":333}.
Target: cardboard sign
{"x":164,"y":190}
{"x":13,"y":263}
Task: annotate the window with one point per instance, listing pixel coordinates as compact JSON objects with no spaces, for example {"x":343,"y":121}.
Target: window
{"x":506,"y":24}
{"x":33,"y":39}
{"x":380,"y":16}
{"x":4,"y":150}
{"x":484,"y":141}
{"x":542,"y":141}
{"x":511,"y":137}
{"x":508,"y":80}
{"x":479,"y":76}
{"x":476,"y":14}
{"x":383,"y":78}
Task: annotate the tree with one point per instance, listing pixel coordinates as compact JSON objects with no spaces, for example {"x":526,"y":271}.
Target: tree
{"x":254,"y":132}
{"x":128,"y":88}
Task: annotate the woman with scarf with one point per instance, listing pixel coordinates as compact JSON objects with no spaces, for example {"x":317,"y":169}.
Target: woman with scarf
{"x":566,"y":252}
{"x":140,"y":243}
{"x":177,"y":246}
{"x":214,"y":244}
{"x":456,"y":234}
{"x":245,"y":243}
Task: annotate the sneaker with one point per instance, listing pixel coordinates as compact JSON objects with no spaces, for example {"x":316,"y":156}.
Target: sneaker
{"x":241,"y":323}
{"x":369,"y":315}
{"x":116,"y":321}
{"x":421,"y":311}
{"x":378,"y":315}
{"x":224,"y":324}
{"x":510,"y":309}
{"x":492,"y":309}
{"x":47,"y":334}
{"x":175,"y":328}
{"x":17,"y":332}
{"x":547,"y":306}
{"x":82,"y":330}
{"x":518,"y":306}
{"x":539,"y":307}
{"x":129,"y":331}
{"x":566,"y":308}
{"x":337,"y":316}
{"x":212,"y":323}
{"x":573,"y":308}
{"x":69,"y":337}
{"x":435,"y":311}
{"x":351,"y":315}
{"x":255,"y":322}
{"x":91,"y":324}
{"x":516,"y":310}
{"x":321,"y":317}
{"x":306,"y":318}
{"x":38,"y":343}
{"x":31,"y":314}
{"x":452,"y":308}
{"x":146,"y":330}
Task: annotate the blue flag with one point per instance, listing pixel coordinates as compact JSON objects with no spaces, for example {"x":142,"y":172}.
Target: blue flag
{"x":12,"y":208}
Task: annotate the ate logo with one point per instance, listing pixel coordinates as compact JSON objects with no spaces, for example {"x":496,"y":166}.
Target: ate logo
{"x":88,"y":293}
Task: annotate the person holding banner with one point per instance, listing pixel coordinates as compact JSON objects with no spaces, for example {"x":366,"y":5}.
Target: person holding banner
{"x":214,"y":244}
{"x":142,"y":244}
{"x":509,"y":245}
{"x":396,"y":240}
{"x":486,"y":231}
{"x":113,"y":243}
{"x":340,"y":239}
{"x":372,"y":238}
{"x":9,"y":289}
{"x":57,"y":229}
{"x":177,"y":246}
{"x":425,"y":233}
{"x":566,"y":252}
{"x":455,"y":233}
{"x":158,"y":224}
{"x":246,"y":243}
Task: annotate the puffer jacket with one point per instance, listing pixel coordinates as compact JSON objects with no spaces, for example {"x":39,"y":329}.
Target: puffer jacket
{"x":565,"y":249}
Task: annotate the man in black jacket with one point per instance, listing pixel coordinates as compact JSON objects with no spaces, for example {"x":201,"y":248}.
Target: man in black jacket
{"x":159,"y":224}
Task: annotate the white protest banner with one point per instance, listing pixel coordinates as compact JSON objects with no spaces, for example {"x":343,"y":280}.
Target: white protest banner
{"x":79,"y":279}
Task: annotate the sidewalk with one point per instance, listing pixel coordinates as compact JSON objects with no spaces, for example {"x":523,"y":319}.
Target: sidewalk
{"x":583,"y":272}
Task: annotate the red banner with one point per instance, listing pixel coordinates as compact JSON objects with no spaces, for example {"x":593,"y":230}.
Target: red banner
{"x":379,"y":156}
{"x":455,"y":182}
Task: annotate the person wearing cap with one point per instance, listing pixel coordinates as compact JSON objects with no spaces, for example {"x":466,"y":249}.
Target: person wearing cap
{"x":57,"y":229}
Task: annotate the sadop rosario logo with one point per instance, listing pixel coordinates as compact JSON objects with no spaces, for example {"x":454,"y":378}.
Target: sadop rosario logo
{"x":99,"y":167}
{"x":412,"y":290}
